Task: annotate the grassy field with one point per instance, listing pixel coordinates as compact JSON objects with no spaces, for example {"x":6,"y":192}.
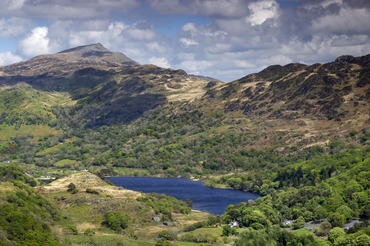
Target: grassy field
{"x":37,"y":131}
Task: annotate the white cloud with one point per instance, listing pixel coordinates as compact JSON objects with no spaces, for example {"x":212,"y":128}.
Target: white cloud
{"x":348,"y":20}
{"x":322,"y":4}
{"x":159,"y":61}
{"x":262,"y":11}
{"x":214,"y":8}
{"x":62,"y":10}
{"x":195,"y":66}
{"x":11,"y":4}
{"x":8,"y":57}
{"x":277,"y":59}
{"x":188,"y":42}
{"x":189,"y":27}
{"x":13,"y":27}
{"x":36,"y":43}
{"x":141,"y":34}
{"x":156,"y":47}
{"x":244,"y":64}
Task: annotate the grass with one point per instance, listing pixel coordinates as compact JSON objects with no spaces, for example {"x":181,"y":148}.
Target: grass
{"x":186,"y":244}
{"x":213,"y":231}
{"x":37,"y":131}
{"x":302,"y":232}
{"x":131,"y":171}
{"x":65,"y":162}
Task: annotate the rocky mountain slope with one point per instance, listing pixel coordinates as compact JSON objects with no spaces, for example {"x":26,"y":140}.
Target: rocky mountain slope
{"x":321,"y":98}
{"x":89,"y":87}
{"x":115,"y":88}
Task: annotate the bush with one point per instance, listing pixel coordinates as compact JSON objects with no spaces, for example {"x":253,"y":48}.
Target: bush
{"x":227,"y":231}
{"x":116,"y":220}
{"x":168,"y":235}
{"x":72,"y":188}
{"x":71,"y":229}
{"x":89,"y":232}
{"x":92,"y":191}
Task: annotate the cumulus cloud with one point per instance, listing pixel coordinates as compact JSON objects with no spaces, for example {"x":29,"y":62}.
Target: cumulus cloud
{"x":262,"y":11}
{"x":188,"y":42}
{"x":159,"y":61}
{"x":226,"y":39}
{"x":36,"y":43}
{"x":8,"y":57}
{"x":349,"y":20}
{"x":13,"y":27}
{"x":62,"y":10}
{"x":9,"y":5}
{"x":214,"y":8}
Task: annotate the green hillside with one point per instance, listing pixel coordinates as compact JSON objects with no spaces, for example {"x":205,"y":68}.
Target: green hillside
{"x":296,"y":134}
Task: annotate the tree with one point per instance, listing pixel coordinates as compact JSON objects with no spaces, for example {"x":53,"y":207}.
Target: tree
{"x":362,"y":240}
{"x":320,"y":213}
{"x":72,"y":188}
{"x":337,"y":219}
{"x":299,"y":223}
{"x":346,"y":211}
{"x":325,"y":227}
{"x":116,"y":220}
{"x":189,"y":203}
{"x":335,"y":233}
{"x":227,"y":231}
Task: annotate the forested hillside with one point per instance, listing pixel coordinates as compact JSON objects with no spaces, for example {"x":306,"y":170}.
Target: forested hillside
{"x":296,"y":134}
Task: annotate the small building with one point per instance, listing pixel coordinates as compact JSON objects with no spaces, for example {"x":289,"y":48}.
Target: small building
{"x":156,"y":219}
{"x":287,"y":222}
{"x":233,"y":224}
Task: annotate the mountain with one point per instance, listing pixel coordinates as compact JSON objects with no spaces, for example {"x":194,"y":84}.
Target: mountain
{"x":296,"y":134}
{"x":89,"y":56}
{"x":88,"y":87}
{"x":322,"y":99}
{"x":119,"y":88}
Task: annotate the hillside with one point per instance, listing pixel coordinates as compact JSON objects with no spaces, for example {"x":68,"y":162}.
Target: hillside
{"x":322,"y":99}
{"x":296,"y":134}
{"x":108,"y":109}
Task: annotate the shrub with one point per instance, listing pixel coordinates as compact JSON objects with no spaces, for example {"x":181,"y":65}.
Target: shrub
{"x":116,"y":220}
{"x":71,"y":229}
{"x":168,"y":235}
{"x":89,"y":232}
{"x":227,"y":231}
{"x":72,"y":188}
{"x":92,"y":191}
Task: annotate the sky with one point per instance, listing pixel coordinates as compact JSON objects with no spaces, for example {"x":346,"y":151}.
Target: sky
{"x":224,"y":39}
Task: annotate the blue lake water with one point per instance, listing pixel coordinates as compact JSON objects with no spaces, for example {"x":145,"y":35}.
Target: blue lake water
{"x":213,"y":201}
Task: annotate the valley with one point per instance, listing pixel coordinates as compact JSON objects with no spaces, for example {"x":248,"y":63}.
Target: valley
{"x":296,"y":134}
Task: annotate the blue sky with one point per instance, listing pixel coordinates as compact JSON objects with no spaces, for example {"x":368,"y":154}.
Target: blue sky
{"x":225,"y":39}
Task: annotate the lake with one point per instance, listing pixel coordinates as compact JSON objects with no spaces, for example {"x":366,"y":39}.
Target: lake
{"x":204,"y":198}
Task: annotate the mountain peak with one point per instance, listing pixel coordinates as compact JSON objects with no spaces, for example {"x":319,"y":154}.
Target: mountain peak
{"x":97,"y":52}
{"x":87,"y":48}
{"x":81,"y":57}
